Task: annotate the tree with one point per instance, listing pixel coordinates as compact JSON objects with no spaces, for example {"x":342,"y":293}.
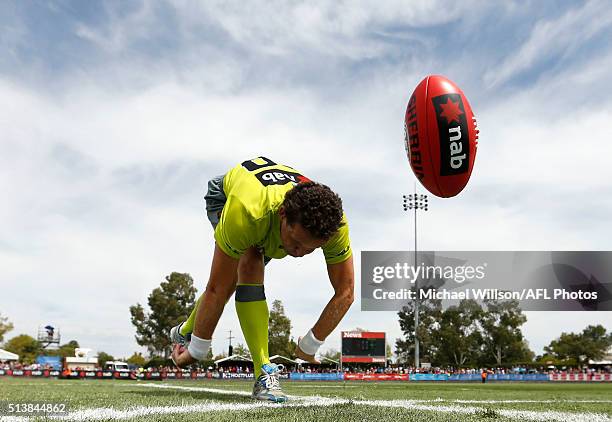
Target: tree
{"x":170,"y":304}
{"x":65,"y":350}
{"x":592,"y":343}
{"x":279,"y":341}
{"x":221,"y":356}
{"x":158,"y":362}
{"x":136,"y":359}
{"x":503,"y":339}
{"x":458,"y":339}
{"x":104,"y":357}
{"x":208,"y":360}
{"x":5,"y":327}
{"x":28,"y":348}
{"x":596,"y":342}
{"x":242,"y":350}
{"x":332,"y":354}
{"x":429,"y":317}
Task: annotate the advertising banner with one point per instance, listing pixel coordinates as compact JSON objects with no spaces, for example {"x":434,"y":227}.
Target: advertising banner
{"x":499,"y":377}
{"x":300,"y":376}
{"x":581,"y":377}
{"x":156,"y":376}
{"x":236,"y":375}
{"x":429,"y":377}
{"x":375,"y":377}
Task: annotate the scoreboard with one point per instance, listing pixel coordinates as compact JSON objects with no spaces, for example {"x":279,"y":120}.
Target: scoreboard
{"x":363,"y":347}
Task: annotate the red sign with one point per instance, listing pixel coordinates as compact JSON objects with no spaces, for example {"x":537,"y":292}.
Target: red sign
{"x":363,"y":359}
{"x":581,"y":377}
{"x":363,"y":334}
{"x":376,"y":377}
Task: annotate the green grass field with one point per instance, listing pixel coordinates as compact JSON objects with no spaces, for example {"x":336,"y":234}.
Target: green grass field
{"x":212,"y":400}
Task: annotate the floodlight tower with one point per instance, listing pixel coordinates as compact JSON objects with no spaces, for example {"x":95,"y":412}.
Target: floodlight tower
{"x":416,"y":202}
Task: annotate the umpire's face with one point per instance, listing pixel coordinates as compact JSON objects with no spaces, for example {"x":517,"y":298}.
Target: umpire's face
{"x":295,"y":239}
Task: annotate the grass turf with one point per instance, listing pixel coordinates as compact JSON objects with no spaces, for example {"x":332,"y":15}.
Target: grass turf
{"x":544,"y":397}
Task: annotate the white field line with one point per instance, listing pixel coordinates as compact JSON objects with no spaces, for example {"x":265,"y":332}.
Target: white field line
{"x":525,"y":401}
{"x":316,"y":398}
{"x":510,"y":413}
{"x":199,"y":389}
{"x":305,"y":401}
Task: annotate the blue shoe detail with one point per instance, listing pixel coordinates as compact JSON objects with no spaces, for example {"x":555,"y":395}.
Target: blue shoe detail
{"x":267,"y":386}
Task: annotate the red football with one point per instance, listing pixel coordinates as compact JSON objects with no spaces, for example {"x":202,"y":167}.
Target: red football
{"x":440,"y":136}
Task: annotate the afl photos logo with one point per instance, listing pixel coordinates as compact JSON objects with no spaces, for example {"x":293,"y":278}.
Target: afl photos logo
{"x":453,"y":134}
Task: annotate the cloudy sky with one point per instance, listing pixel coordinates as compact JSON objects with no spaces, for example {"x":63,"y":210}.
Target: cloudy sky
{"x":113,"y":115}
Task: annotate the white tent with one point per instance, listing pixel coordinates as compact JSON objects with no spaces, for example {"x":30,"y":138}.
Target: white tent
{"x":234,"y":358}
{"x":282,"y":358}
{"x":4,"y":355}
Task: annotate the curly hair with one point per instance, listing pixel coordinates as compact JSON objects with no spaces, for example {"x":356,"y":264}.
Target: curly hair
{"x":316,"y":207}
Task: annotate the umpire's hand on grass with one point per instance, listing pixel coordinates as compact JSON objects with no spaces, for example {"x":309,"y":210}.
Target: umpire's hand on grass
{"x":181,"y":357}
{"x":302,"y":355}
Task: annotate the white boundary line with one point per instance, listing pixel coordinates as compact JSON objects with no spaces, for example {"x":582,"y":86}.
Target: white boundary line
{"x":306,"y":401}
{"x":310,"y":398}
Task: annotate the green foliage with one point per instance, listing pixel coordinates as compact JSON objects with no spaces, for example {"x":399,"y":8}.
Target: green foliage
{"x":549,"y":359}
{"x":332,"y":354}
{"x":430,"y":312}
{"x":458,"y":338}
{"x":221,"y":356}
{"x":279,"y":341}
{"x":136,"y":359}
{"x":242,"y":350}
{"x":388,"y":352}
{"x":464,"y":335}
{"x":169,"y":304}
{"x":503,"y":339}
{"x":28,"y":348}
{"x":208,"y":360}
{"x":65,"y":350}
{"x":157,"y":361}
{"x":596,"y":341}
{"x":592,"y":343}
{"x":104,"y":357}
{"x":5,"y":327}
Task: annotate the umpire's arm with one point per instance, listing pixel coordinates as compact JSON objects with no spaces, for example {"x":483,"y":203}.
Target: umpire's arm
{"x":342,"y":278}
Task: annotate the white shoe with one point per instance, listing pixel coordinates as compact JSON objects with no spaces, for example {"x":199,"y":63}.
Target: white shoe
{"x":177,"y":338}
{"x":267,"y":386}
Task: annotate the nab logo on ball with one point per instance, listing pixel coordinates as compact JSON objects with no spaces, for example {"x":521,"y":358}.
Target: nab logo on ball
{"x":453,"y":133}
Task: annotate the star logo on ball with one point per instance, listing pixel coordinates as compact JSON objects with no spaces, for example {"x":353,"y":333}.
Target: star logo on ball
{"x":451,"y":111}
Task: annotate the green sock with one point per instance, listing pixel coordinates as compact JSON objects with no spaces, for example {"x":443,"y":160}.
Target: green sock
{"x":252,"y":310}
{"x":187,"y":327}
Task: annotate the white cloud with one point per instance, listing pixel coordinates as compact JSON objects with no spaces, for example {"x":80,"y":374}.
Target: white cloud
{"x":339,"y":29}
{"x":554,"y":37}
{"x":122,"y":27}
